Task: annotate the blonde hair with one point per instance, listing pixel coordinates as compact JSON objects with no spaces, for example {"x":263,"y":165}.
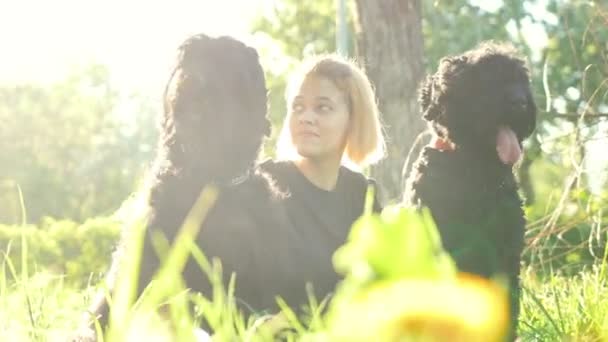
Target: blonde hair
{"x":365,"y":140}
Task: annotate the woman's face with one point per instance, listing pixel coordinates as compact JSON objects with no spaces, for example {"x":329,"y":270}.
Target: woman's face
{"x":319,"y":119}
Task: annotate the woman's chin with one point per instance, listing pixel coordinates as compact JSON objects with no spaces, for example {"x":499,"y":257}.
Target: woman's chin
{"x":308,"y":152}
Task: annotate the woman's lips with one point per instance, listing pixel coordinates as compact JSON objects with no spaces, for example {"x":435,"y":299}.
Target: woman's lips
{"x":306,"y":134}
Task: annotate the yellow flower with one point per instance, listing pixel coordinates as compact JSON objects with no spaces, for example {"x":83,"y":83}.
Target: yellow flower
{"x":465,"y":308}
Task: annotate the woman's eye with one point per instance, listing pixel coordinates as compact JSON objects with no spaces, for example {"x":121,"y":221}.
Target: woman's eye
{"x":297,"y":108}
{"x":324,"y":108}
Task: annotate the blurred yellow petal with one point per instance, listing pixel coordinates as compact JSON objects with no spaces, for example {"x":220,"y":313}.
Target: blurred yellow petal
{"x":466,"y":308}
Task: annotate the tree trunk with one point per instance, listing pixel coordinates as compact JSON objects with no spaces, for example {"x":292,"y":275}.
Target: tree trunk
{"x":390,"y":46}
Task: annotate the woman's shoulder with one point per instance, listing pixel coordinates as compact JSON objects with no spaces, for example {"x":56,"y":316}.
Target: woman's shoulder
{"x":352,"y":177}
{"x":357,"y":185}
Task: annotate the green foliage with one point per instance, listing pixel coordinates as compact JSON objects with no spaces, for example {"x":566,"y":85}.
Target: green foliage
{"x":572,"y":308}
{"x":576,"y":56}
{"x":75,"y":148}
{"x":300,"y":28}
{"x":79,"y":252}
{"x":451,"y":27}
{"x":40,"y":308}
{"x":567,"y":223}
{"x":400,"y":243}
{"x":571,"y":82}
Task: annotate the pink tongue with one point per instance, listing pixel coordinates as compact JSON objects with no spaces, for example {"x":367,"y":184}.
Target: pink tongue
{"x":507,"y":146}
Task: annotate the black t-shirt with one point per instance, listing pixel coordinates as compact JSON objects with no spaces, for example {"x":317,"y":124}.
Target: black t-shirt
{"x":320,"y":220}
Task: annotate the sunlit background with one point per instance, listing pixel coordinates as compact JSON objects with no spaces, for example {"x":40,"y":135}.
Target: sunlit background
{"x":117,"y":55}
{"x":43,"y":40}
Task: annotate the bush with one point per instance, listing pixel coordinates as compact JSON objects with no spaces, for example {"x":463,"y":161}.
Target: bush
{"x":81,"y":252}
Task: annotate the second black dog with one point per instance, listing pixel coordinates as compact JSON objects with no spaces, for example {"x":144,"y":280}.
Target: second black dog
{"x":480,"y":107}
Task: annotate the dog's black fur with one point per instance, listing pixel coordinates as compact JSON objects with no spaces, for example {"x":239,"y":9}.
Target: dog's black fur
{"x":213,"y":125}
{"x":472,"y":195}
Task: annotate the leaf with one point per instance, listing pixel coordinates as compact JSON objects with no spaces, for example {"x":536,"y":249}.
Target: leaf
{"x":399,"y":243}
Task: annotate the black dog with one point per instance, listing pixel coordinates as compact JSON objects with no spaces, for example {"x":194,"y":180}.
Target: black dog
{"x":480,"y":107}
{"x":212,"y":128}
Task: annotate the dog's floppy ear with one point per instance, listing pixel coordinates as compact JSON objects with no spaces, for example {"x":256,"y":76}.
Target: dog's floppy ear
{"x":450,"y":69}
{"x":433,"y":94}
{"x":425,"y":98}
{"x":425,"y":93}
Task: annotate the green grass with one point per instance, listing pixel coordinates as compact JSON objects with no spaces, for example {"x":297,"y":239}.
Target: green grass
{"x":43,"y":307}
{"x":569,"y":308}
{"x":553,"y":309}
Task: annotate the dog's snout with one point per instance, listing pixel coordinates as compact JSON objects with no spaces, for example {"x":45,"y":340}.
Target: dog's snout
{"x":517,"y":98}
{"x":519,"y":103}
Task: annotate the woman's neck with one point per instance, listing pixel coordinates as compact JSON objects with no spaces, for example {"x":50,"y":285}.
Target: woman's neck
{"x":323,"y":174}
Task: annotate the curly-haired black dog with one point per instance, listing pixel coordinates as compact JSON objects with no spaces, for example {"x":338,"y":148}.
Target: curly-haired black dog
{"x":480,"y":107}
{"x":213,"y":125}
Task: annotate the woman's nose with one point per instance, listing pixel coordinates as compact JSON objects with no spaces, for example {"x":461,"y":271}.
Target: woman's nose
{"x":307,"y":117}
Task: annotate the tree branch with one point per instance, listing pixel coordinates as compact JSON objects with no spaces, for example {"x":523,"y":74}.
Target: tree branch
{"x":575,"y":115}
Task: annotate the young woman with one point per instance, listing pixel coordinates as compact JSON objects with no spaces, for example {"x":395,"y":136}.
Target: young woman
{"x":332,"y":122}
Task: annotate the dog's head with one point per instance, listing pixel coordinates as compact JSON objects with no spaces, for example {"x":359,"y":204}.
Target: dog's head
{"x":481,"y":101}
{"x":215,"y":106}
